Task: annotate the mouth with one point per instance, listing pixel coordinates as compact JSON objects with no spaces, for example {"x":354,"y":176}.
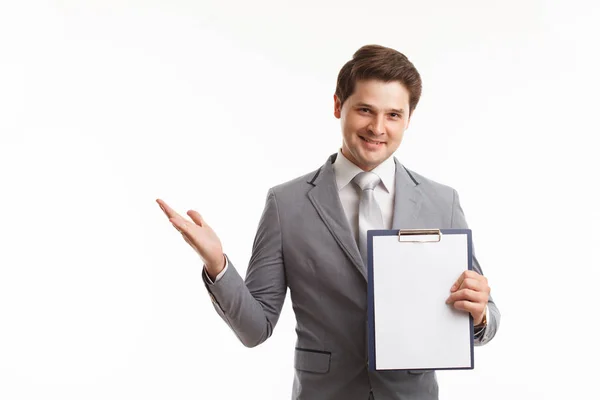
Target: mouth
{"x":375,"y":142}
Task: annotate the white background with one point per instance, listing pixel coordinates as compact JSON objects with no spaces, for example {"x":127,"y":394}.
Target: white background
{"x":107,"y":105}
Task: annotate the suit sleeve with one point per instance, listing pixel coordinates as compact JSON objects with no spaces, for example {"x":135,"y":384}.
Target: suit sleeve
{"x":485,"y":335}
{"x":251,"y":307}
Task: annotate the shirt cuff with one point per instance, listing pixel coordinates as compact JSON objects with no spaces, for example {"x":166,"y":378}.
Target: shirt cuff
{"x":219,"y":276}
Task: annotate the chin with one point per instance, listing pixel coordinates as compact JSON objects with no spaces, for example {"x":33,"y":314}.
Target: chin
{"x":372,"y":162}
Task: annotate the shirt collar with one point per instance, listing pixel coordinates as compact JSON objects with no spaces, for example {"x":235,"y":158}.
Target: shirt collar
{"x":345,"y":171}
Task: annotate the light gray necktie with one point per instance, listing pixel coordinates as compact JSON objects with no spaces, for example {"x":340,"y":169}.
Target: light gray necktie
{"x":369,"y":213}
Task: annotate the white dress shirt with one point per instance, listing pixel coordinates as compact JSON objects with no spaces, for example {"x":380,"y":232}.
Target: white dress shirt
{"x":350,"y":193}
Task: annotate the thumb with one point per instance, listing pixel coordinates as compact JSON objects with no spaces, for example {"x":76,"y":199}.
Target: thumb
{"x":196,"y":217}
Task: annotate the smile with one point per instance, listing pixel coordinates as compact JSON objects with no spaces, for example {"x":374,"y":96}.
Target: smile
{"x":371,"y":141}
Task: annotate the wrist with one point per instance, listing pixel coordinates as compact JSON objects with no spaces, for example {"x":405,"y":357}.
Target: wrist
{"x":213,"y":269}
{"x":484,"y":319}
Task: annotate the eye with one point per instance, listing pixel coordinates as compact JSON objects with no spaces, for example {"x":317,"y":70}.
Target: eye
{"x":364,"y":109}
{"x":395,"y":115}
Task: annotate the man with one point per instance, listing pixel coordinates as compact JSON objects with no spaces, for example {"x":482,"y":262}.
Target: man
{"x":311,"y":238}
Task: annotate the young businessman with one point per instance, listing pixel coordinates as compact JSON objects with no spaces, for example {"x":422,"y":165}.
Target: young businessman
{"x":311,"y":239}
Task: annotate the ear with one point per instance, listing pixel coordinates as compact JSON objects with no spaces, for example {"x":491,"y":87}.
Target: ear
{"x":337,"y":107}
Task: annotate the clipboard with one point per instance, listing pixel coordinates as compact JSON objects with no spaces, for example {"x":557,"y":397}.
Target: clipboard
{"x":410,"y":326}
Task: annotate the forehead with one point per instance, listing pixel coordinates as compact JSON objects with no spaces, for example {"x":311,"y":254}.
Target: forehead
{"x":380,"y":93}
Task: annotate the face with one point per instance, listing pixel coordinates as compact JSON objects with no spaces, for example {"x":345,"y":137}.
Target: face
{"x":373,"y":121}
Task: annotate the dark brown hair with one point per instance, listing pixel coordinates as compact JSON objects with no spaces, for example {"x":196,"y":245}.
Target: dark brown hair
{"x":380,"y":63}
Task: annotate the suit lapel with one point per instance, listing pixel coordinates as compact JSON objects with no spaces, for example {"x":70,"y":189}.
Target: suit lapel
{"x":325,"y":198}
{"x":407,"y":200}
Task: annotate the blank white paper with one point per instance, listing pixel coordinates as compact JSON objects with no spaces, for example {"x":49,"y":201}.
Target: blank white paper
{"x":414,"y":327}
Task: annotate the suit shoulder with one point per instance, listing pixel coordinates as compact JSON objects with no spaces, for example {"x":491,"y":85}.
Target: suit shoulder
{"x":295,"y":186}
{"x":432,"y":188}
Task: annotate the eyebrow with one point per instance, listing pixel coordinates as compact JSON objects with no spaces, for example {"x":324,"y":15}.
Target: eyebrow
{"x":397,"y":111}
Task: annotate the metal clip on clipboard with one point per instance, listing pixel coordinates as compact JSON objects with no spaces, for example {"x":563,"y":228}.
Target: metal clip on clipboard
{"x":419,"y":235}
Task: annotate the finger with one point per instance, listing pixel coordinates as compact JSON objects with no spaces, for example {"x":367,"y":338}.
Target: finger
{"x":182,"y":225}
{"x":167,"y":210}
{"x":466,"y":294}
{"x":172,"y":221}
{"x":471,"y":283}
{"x":466,"y":274}
{"x":458,"y":282}
{"x":479,"y":285}
{"x":472,"y":308}
{"x":196,"y":217}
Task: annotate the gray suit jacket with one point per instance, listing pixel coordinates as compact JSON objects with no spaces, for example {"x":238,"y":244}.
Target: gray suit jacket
{"x":304,"y":242}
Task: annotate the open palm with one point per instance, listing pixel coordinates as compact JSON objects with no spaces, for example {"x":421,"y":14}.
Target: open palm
{"x":199,"y":235}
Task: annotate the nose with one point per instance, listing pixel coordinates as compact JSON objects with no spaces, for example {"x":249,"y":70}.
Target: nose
{"x":376,"y":126}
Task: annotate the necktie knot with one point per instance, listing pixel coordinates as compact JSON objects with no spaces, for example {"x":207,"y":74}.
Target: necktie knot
{"x":366,"y":180}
